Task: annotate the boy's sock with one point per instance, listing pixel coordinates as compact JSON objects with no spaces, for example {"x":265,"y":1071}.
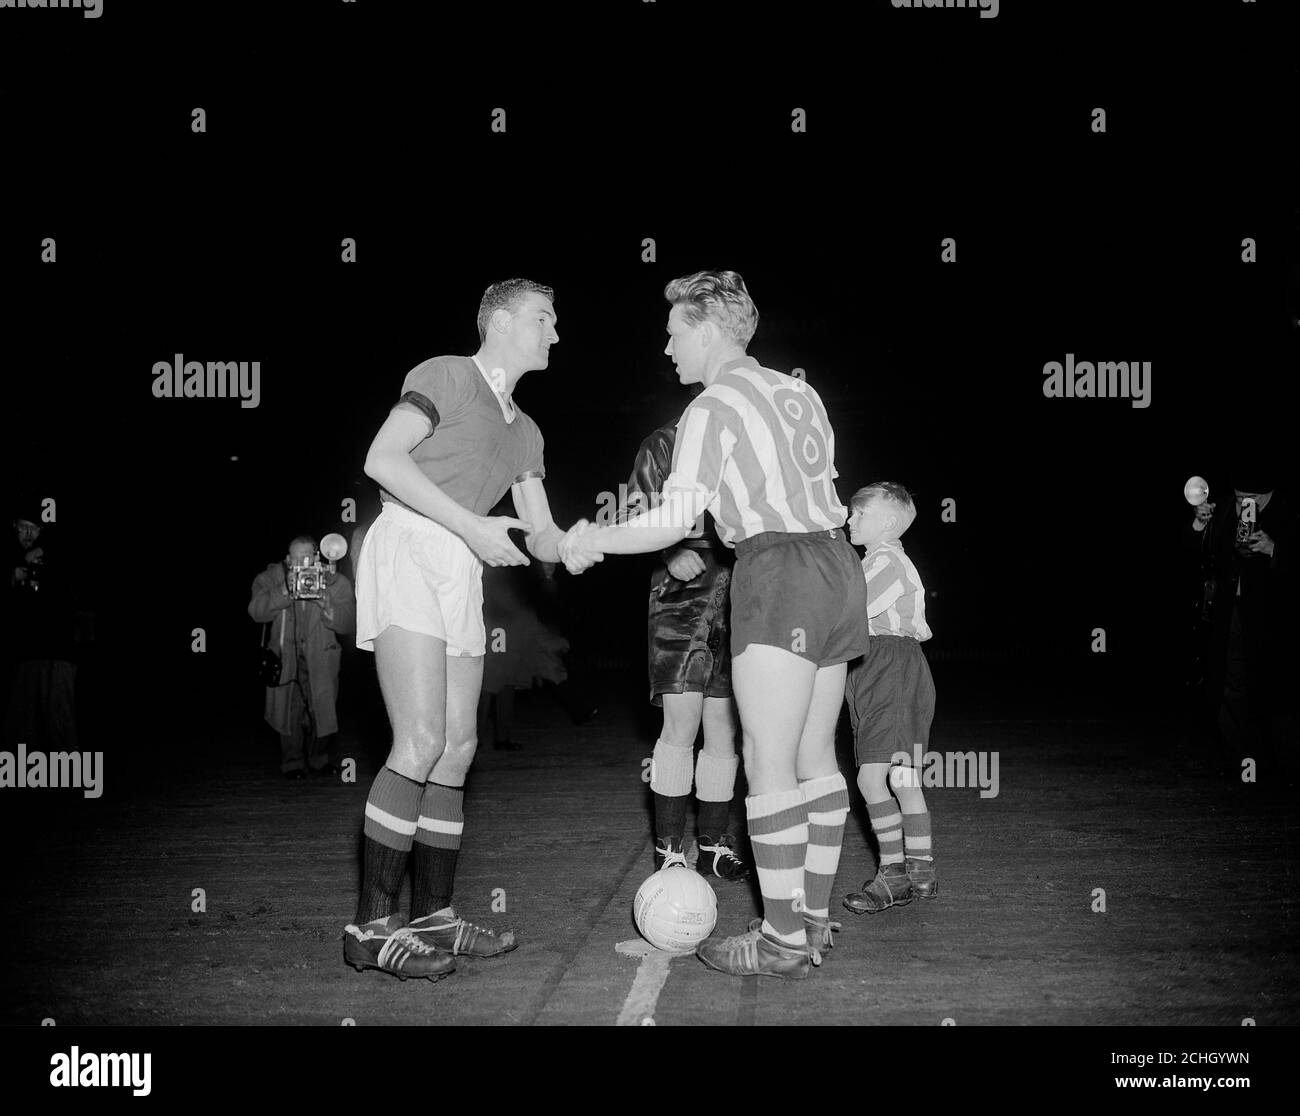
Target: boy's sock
{"x":778,"y":832}
{"x":715,"y":784}
{"x":436,"y":849}
{"x":887,"y":823}
{"x":916,"y":835}
{"x":827,"y":798}
{"x":391,"y":809}
{"x":670,"y":780}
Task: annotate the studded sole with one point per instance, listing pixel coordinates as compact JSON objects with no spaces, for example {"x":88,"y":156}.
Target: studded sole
{"x":796,"y":975}
{"x":362,"y":966}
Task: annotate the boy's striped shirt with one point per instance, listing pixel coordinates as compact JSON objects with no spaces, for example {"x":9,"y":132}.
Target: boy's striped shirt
{"x":757,"y":450}
{"x":895,"y":595}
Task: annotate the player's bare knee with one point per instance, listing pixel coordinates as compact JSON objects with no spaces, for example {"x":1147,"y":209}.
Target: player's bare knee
{"x":910,"y":798}
{"x":679,"y":731}
{"x":873,"y":781}
{"x":460,"y":751}
{"x":422,"y":747}
{"x":408,"y":763}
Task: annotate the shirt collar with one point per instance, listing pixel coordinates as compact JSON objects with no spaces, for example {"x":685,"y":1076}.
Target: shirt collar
{"x":745,"y":361}
{"x":507,"y":404}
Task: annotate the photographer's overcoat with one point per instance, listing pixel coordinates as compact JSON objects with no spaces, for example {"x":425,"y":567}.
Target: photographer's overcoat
{"x":299,"y":630}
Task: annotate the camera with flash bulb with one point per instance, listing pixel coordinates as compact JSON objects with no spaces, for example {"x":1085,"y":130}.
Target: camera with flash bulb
{"x":310,"y":580}
{"x":1246,"y":523}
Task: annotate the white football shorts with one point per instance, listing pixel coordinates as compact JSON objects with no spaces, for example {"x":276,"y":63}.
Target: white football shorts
{"x":414,"y":573}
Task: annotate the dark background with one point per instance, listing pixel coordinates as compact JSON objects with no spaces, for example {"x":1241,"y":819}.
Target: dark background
{"x":668,"y":121}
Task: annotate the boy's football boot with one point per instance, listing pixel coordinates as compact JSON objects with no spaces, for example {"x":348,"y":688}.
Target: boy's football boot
{"x":890,"y":888}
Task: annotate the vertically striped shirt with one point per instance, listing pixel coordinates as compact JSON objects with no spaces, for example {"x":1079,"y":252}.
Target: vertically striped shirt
{"x":895,"y":595}
{"x":756,"y":449}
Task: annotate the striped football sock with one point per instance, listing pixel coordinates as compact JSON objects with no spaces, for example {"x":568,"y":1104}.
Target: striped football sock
{"x":778,"y":832}
{"x":828,"y":806}
{"x":437,"y":845}
{"x":916,"y":835}
{"x":391,"y":809}
{"x":887,"y":821}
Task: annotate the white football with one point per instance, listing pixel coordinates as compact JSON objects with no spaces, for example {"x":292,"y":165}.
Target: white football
{"x":675,"y":909}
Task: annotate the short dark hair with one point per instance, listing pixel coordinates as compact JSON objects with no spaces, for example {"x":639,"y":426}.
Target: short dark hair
{"x":506,"y":295}
{"x":301,"y":539}
{"x":720,"y":296}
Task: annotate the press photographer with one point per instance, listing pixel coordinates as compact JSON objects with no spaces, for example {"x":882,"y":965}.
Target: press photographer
{"x":306,"y":604}
{"x":1246,"y":544}
{"x":40,"y":665}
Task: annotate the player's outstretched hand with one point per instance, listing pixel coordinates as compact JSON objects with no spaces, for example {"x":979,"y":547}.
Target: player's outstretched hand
{"x":685,"y":564}
{"x":487,"y":537}
{"x":575,"y":556}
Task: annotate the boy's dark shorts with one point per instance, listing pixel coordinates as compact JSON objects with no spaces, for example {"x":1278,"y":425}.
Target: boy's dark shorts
{"x":891,"y":700}
{"x":690,"y":645}
{"x":804,"y":593}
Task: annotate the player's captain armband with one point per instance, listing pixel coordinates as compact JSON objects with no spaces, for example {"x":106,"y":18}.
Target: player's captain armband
{"x":538,"y":473}
{"x":424,"y":405}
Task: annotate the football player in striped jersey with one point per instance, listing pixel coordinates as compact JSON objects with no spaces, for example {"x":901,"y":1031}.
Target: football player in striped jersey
{"x":756,"y":449}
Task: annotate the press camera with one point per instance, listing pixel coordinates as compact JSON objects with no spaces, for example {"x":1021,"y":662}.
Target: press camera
{"x":308,"y":581}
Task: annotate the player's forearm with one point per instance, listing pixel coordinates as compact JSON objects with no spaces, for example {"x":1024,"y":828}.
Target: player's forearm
{"x":400,"y":475}
{"x":657,"y":529}
{"x":636,"y":536}
{"x":545,"y":545}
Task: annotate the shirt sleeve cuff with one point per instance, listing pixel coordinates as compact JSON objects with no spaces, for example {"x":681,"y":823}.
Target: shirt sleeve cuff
{"x":694,"y":497}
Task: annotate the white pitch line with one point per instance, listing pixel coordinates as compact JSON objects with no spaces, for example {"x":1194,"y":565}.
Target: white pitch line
{"x":639,"y":1007}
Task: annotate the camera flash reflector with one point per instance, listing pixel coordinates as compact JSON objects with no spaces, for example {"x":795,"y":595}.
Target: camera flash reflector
{"x":334,"y":546}
{"x":1197,"y":491}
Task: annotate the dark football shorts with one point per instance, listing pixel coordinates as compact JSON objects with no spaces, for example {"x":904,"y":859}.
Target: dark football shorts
{"x":804,"y":593}
{"x":690,"y":649}
{"x":890,"y":694}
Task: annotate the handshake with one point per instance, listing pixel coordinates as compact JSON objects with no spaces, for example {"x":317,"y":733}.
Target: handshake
{"x":573,"y":553}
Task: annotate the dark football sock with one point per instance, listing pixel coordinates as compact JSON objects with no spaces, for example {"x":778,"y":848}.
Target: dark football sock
{"x":391,"y":810}
{"x":383,"y":870}
{"x":437,"y":845}
{"x":670,"y":816}
{"x":713,"y":821}
{"x":433,"y":875}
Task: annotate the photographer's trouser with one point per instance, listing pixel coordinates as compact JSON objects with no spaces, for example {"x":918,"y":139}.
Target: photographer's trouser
{"x":302,"y":747}
{"x":42,"y":710}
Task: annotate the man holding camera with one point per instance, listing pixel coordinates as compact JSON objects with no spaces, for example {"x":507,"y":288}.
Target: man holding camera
{"x":1247,"y":547}
{"x":308,"y":607}
{"x":39,"y":661}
